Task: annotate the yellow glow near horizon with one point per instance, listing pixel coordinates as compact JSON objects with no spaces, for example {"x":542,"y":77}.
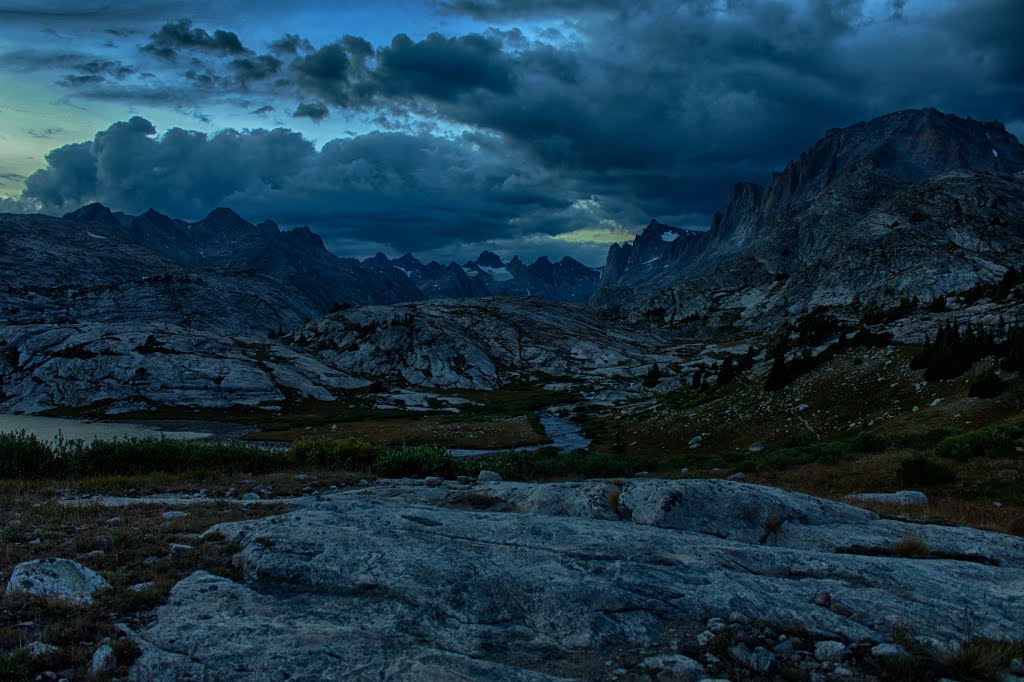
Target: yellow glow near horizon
{"x":605,"y":234}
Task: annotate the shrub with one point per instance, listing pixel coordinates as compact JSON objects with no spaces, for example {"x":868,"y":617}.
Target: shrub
{"x":924,"y":471}
{"x":869,"y":442}
{"x":911,"y":548}
{"x":24,"y":455}
{"x":352,"y":454}
{"x":988,"y":385}
{"x":992,"y":441}
{"x":924,"y":440}
{"x":652,"y":377}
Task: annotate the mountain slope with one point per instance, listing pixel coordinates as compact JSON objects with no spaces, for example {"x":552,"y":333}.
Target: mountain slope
{"x":916,"y":203}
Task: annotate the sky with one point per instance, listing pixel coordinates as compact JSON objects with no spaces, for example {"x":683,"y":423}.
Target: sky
{"x":444,"y":127}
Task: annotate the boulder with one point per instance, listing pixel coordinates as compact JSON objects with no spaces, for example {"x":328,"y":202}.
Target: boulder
{"x":103,"y":661}
{"x":673,"y":668}
{"x":60,"y":579}
{"x":518,"y":581}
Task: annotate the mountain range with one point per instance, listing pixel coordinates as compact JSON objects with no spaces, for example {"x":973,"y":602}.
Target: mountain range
{"x":117,"y":312}
{"x":489,"y":275}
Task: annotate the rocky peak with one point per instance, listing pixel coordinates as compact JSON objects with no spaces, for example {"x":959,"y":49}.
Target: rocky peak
{"x":95,"y":213}
{"x":269,"y":227}
{"x":408,"y":262}
{"x":378,"y":261}
{"x":224,"y":220}
{"x":542,"y":268}
{"x":305,"y":237}
{"x":489,"y":259}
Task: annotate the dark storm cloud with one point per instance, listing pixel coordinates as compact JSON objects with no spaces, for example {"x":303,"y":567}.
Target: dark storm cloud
{"x":441,"y":68}
{"x":350,"y":73}
{"x":415,"y":192}
{"x":316,"y":111}
{"x":517,"y":9}
{"x":176,"y":36}
{"x":255,"y":68}
{"x":636,"y":108}
{"x":325,"y":72}
{"x":291,"y":44}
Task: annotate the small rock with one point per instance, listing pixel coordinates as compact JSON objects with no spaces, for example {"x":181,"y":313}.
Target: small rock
{"x":935,"y":403}
{"x":830,"y":651}
{"x":60,"y":579}
{"x":40,"y":649}
{"x":432,"y":481}
{"x":178,"y":548}
{"x":760,"y":660}
{"x":906,"y":498}
{"x":704,"y":638}
{"x":465,"y":480}
{"x":103,"y":661}
{"x":887,"y":650}
{"x":139,"y":587}
{"x":174,"y":515}
{"x":674,"y":667}
{"x":802,"y":406}
{"x":695,"y":442}
{"x":251,"y":497}
{"x":784,"y":648}
{"x":738,"y":476}
{"x":755,"y":447}
{"x":488,"y":476}
{"x":822,"y":599}
{"x":301,"y":477}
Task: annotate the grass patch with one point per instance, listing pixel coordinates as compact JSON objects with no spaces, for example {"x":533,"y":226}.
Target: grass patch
{"x":914,"y":548}
{"x":129,"y":547}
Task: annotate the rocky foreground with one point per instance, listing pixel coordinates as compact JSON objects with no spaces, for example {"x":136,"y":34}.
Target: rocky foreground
{"x":637,"y":579}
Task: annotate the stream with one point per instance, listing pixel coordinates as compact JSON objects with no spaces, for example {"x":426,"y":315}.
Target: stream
{"x":565,"y":435}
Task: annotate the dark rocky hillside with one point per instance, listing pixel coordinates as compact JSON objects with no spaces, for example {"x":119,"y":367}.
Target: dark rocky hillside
{"x":915,"y":203}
